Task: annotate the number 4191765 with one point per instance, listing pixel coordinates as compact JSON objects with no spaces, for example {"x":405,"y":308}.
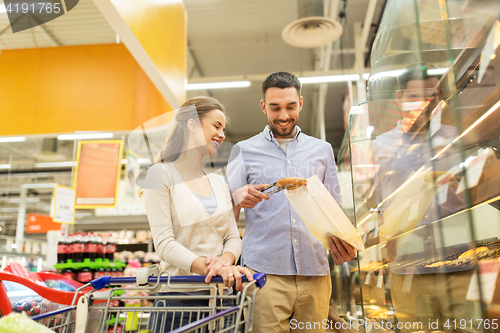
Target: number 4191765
{"x":471,"y":324}
{"x":41,"y":7}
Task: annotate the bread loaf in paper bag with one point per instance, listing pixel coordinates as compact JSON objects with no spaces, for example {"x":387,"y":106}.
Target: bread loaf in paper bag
{"x":322,"y":215}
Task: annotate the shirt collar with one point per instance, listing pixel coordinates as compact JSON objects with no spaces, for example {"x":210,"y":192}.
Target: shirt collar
{"x":268,"y":134}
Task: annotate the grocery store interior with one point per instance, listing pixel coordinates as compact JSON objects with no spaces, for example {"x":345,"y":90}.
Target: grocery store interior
{"x":94,"y":89}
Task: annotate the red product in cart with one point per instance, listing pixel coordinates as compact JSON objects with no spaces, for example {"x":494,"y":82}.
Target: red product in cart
{"x":35,"y":281}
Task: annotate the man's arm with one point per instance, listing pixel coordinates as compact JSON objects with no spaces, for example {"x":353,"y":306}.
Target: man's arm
{"x":243,"y":195}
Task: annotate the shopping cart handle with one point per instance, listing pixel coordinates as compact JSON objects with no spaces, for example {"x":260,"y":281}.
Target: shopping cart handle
{"x":106,"y":281}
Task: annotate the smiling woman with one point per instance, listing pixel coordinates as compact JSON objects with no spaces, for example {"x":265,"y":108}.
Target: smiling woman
{"x":190,"y":212}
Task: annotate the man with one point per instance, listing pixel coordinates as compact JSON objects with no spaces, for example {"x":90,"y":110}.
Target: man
{"x":414,"y":144}
{"x":276,"y":241}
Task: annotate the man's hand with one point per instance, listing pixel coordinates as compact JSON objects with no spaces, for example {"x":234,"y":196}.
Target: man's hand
{"x":249,"y":195}
{"x":341,"y":251}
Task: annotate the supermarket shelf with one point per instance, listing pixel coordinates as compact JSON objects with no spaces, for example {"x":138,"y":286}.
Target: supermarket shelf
{"x":105,"y":223}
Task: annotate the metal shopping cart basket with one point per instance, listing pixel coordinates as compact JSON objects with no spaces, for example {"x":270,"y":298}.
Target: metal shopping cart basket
{"x":108,"y":312}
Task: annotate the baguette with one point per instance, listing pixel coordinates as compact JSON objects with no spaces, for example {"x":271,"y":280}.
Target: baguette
{"x":291,"y":183}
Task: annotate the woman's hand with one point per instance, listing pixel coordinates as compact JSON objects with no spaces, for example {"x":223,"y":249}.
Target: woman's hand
{"x":232,"y":274}
{"x":214,"y":264}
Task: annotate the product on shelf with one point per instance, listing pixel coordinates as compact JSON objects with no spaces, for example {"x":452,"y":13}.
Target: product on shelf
{"x":472,"y":252}
{"x":62,"y":250}
{"x":77,"y":248}
{"x":100,"y":249}
{"x":91,"y":247}
{"x":110,"y":248}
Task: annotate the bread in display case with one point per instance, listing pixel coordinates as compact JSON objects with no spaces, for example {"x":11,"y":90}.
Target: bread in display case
{"x":423,"y":156}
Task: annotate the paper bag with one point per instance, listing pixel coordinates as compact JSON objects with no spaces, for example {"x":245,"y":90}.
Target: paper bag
{"x":409,"y":204}
{"x":322,"y":215}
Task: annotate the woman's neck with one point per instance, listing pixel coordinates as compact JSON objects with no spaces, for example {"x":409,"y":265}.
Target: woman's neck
{"x":189,"y":164}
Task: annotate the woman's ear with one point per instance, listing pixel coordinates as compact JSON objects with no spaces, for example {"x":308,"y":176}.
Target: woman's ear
{"x":191,"y":125}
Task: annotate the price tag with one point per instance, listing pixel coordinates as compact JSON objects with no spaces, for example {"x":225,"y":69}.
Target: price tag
{"x":408,"y":279}
{"x":380,"y":280}
{"x":387,"y":283}
{"x":489,"y":274}
{"x":64,"y":204}
{"x":368,"y":277}
{"x":413,"y":214}
{"x":442,"y":188}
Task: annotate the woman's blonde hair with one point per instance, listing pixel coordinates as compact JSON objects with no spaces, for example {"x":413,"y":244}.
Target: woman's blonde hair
{"x":177,"y":136}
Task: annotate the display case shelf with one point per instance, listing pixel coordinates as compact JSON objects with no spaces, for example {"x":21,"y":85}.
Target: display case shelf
{"x":423,"y":152}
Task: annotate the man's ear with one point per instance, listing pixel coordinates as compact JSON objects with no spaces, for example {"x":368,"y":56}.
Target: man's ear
{"x":263,"y":106}
{"x":301,"y":103}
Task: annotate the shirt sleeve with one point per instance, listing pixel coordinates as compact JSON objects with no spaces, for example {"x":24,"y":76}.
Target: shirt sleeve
{"x":236,"y":172}
{"x":331,"y":179}
{"x":157,"y":203}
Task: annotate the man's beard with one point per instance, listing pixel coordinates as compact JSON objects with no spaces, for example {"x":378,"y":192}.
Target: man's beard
{"x":281,"y":132}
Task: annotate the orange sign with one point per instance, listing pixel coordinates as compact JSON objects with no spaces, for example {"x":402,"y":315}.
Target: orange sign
{"x":97,"y":173}
{"x":38,"y":223}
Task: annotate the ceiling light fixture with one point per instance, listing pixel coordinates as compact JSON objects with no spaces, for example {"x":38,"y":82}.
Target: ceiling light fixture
{"x":85,"y":136}
{"x":5,"y":166}
{"x":218,"y":85}
{"x":12,"y":139}
{"x":330,"y":78}
{"x":30,"y":200}
{"x":39,"y":185}
{"x":55,"y":164}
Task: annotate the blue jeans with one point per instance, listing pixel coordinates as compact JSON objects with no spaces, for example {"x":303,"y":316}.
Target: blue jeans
{"x":178,"y":319}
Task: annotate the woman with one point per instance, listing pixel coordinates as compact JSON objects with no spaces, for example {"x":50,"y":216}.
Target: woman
{"x":190,"y":212}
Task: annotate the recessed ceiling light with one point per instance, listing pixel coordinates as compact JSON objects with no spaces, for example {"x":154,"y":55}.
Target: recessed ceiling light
{"x":85,"y":136}
{"x":55,"y":164}
{"x":329,"y":78}
{"x":12,"y":138}
{"x":218,"y":85}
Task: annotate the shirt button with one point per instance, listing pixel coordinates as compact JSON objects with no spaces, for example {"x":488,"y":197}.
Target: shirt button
{"x":288,"y":161}
{"x":295,"y":240}
{"x":293,"y":220}
{"x":277,"y":145}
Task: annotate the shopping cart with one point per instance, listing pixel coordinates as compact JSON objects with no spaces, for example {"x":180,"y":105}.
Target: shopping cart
{"x":94,"y":312}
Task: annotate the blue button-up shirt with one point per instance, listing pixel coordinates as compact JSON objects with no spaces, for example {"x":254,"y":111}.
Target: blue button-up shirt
{"x":276,"y":241}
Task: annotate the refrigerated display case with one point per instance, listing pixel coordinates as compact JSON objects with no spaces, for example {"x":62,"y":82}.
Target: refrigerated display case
{"x":423,"y":154}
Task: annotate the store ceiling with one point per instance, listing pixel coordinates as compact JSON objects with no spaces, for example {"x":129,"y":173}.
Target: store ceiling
{"x":226,"y":38}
